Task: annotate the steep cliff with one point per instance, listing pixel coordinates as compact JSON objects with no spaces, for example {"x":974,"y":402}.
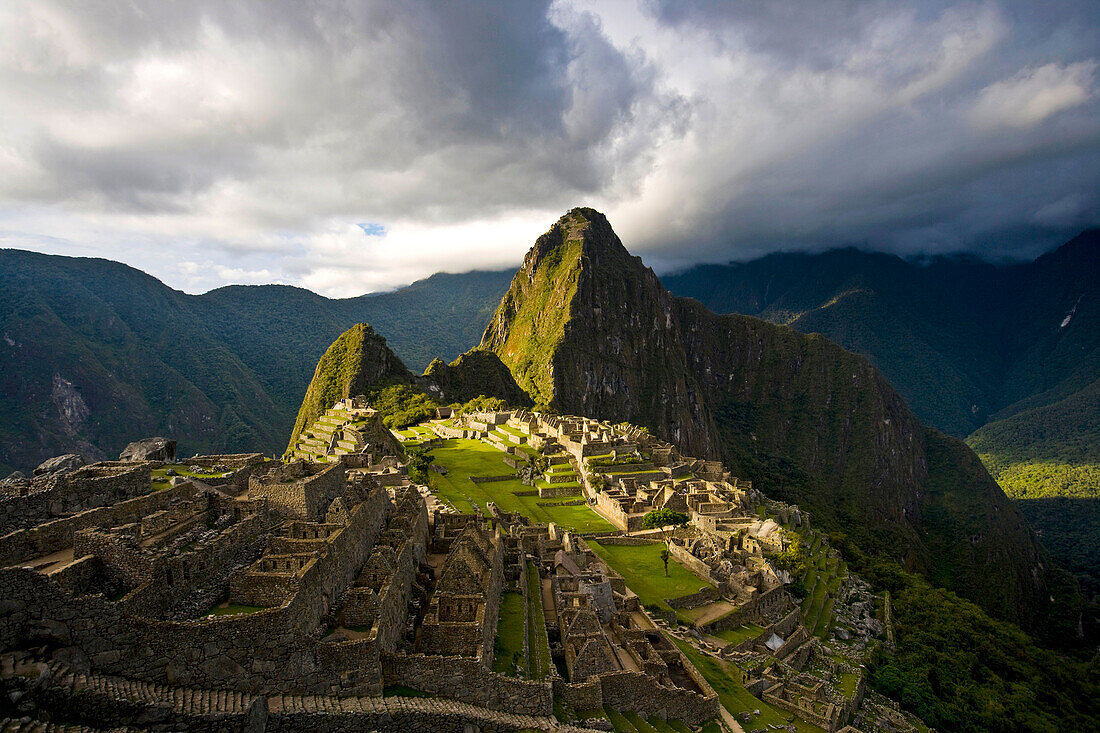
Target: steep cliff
{"x":588,"y":329}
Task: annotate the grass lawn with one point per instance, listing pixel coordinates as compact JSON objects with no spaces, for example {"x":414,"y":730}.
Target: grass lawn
{"x":464,"y":458}
{"x":641,"y":567}
{"x":621,"y":724}
{"x":640,"y":724}
{"x":740,"y":634}
{"x":538,"y":667}
{"x":736,"y":698}
{"x":161,"y":479}
{"x":847,"y":683}
{"x":509,"y":641}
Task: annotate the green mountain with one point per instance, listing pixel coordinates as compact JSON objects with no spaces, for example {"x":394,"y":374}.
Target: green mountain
{"x":587,"y":328}
{"x":1006,"y":356}
{"x":95,"y":354}
{"x":355,"y":362}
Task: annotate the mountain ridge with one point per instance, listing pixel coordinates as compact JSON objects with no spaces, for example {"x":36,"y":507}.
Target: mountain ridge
{"x":96,"y":353}
{"x":795,"y":409}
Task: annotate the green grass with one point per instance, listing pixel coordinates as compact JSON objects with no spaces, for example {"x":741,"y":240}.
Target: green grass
{"x":464,"y":458}
{"x":740,"y":634}
{"x":538,"y":666}
{"x":640,"y":724}
{"x":161,"y":479}
{"x":735,"y":698}
{"x":621,"y":724}
{"x":509,"y":640}
{"x":847,"y":683}
{"x":661,"y":726}
{"x":641,"y":567}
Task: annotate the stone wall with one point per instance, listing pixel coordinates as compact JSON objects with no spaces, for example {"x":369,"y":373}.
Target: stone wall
{"x":558,"y":492}
{"x":623,"y":540}
{"x":20,"y":546}
{"x":644,"y":695}
{"x":94,"y":485}
{"x":267,"y":651}
{"x":707,"y":595}
{"x":492,"y":479}
{"x":611,"y":509}
{"x":640,"y":693}
{"x":765,"y":606}
{"x":692,"y":563}
{"x":466,"y":679}
{"x":580,"y":695}
{"x":296,"y":495}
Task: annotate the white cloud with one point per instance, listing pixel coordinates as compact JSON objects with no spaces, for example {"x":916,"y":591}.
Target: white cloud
{"x":210,"y":142}
{"x":1033,"y":95}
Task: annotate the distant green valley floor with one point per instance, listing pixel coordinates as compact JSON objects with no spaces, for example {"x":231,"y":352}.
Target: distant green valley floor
{"x":464,"y":458}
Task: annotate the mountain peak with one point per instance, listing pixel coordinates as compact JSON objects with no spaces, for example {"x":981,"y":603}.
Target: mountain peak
{"x":356,"y":360}
{"x":583,"y":228}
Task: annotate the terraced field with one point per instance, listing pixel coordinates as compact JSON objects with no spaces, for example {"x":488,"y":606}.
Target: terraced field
{"x":465,"y":458}
{"x":825,"y":572}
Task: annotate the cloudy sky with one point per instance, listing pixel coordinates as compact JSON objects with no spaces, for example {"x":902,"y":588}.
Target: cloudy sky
{"x":350,"y":147}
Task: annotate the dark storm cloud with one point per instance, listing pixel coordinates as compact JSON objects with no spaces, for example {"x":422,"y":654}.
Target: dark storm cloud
{"x":249,"y":139}
{"x":965,"y":126}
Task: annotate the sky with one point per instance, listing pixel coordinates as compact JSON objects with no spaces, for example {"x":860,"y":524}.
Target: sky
{"x":352,"y":147}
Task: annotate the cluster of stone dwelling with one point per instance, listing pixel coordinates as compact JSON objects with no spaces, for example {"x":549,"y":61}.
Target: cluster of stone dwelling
{"x":626,"y":473}
{"x":295,"y":581}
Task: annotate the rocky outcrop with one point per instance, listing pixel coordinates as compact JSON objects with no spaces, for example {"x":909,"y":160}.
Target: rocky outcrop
{"x":149,"y":449}
{"x":588,"y":329}
{"x":60,"y":465}
{"x":477,"y":373}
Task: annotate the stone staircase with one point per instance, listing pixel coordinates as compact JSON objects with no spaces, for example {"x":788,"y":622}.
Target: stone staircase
{"x":110,"y":700}
{"x":29,"y":725}
{"x":318,"y":444}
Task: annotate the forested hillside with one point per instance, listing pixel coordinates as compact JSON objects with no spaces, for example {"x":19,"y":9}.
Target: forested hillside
{"x":95,"y":354}
{"x":1007,"y":357}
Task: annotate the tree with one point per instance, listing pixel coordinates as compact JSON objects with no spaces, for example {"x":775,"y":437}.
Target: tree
{"x":666,"y":520}
{"x":420,"y":461}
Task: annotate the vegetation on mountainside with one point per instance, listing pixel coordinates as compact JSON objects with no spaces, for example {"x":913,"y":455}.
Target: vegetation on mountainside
{"x":357,"y":363}
{"x":96,"y":354}
{"x":546,"y":294}
{"x":476,"y":373}
{"x":401,"y":405}
{"x":959,"y":669}
{"x":774,"y":404}
{"x":964,"y":342}
{"x":1046,"y":451}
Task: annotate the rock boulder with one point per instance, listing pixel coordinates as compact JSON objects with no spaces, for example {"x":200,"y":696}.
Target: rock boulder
{"x":60,"y":465}
{"x":150,"y":449}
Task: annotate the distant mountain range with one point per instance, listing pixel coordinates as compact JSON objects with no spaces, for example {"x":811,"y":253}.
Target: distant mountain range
{"x":94,"y":354}
{"x":587,"y":329}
